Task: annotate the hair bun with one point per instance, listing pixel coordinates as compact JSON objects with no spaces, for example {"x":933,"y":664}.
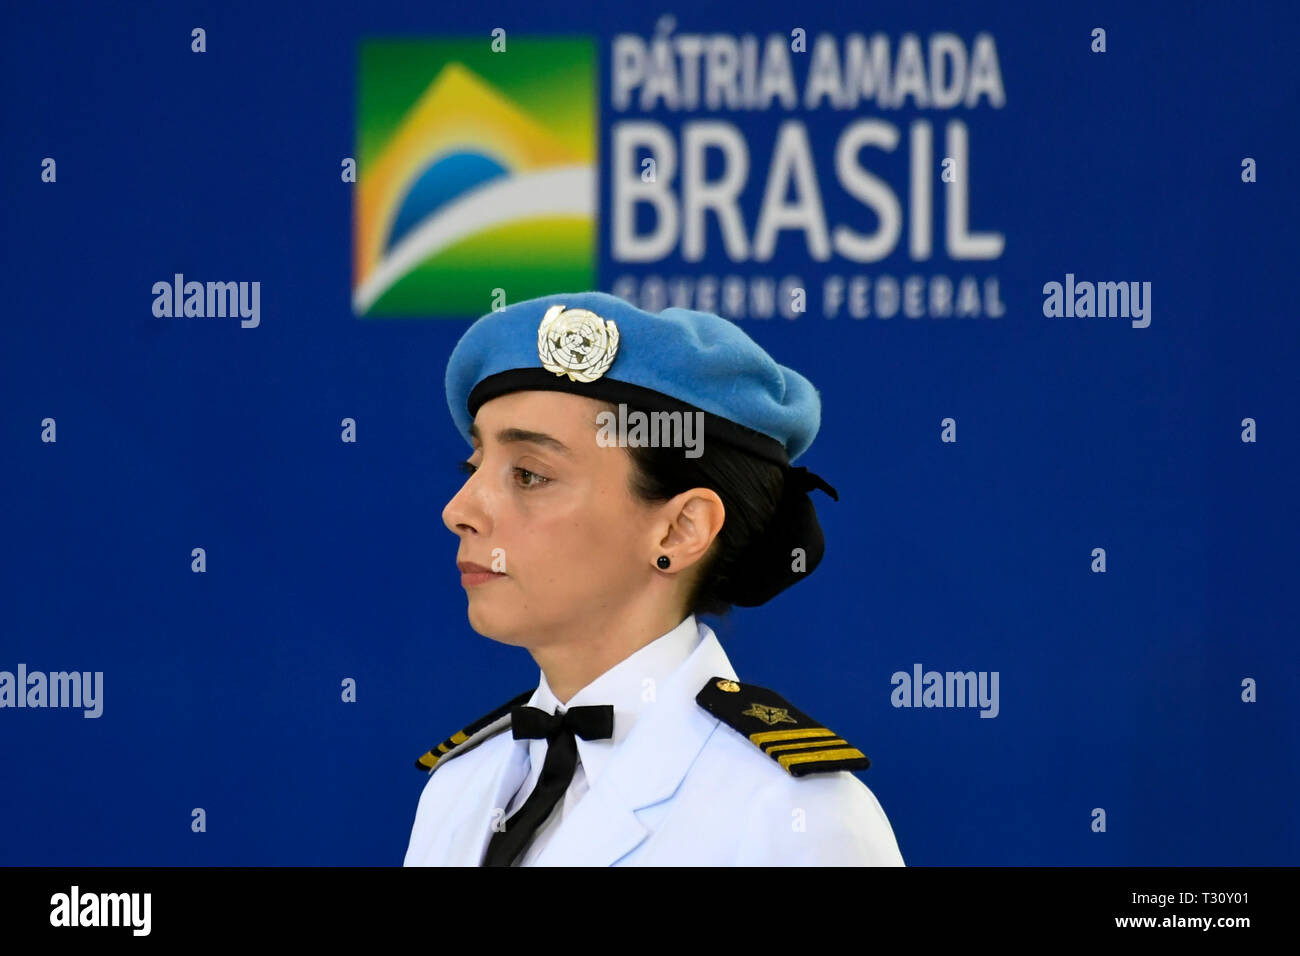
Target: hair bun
{"x":772,"y":565}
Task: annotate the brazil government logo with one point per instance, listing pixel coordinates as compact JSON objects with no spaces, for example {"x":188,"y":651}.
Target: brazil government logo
{"x":475,"y":171}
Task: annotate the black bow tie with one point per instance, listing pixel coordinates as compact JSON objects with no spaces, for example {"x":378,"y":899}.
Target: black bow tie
{"x":595,"y":722}
{"x":590,"y":723}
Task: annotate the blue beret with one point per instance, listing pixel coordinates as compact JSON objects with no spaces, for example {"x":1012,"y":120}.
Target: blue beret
{"x":595,"y":344}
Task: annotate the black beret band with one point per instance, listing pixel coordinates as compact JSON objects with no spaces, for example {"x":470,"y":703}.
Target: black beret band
{"x":607,"y":389}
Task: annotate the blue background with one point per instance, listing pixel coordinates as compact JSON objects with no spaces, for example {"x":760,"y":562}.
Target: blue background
{"x":329,"y":560}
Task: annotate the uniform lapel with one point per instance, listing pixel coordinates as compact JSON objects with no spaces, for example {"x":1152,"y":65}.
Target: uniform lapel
{"x":645,"y":769}
{"x":510,"y":775}
{"x":459,"y":824}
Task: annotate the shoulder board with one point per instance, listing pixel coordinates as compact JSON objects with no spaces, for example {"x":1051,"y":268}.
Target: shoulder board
{"x":474,"y":734}
{"x":798,"y":743}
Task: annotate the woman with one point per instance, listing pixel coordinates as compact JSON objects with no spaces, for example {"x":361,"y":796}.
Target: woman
{"x":593,"y":535}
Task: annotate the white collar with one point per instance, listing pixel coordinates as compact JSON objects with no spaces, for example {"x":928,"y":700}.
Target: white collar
{"x":631,"y":685}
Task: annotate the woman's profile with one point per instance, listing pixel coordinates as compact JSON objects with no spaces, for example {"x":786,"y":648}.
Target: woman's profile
{"x":630,"y":471}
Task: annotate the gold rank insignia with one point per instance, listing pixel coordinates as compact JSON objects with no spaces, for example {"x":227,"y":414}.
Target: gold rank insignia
{"x":769,"y":715}
{"x":800,"y":744}
{"x":471,"y":736}
{"x":577,"y":343}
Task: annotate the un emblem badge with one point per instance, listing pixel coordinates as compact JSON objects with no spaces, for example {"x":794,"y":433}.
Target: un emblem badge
{"x":577,"y":343}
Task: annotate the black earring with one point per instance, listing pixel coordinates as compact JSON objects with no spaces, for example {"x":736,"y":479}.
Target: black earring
{"x":663,"y":561}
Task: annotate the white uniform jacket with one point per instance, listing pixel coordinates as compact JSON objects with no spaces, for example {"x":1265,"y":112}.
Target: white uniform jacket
{"x":684,"y":788}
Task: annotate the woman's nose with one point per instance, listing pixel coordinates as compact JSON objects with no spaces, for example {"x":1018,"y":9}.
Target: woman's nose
{"x":461,"y":513}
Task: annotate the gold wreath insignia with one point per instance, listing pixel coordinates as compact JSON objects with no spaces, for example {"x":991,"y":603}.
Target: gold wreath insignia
{"x":769,"y":715}
{"x":577,"y":343}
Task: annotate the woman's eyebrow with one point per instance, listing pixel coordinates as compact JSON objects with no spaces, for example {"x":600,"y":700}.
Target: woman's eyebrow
{"x":508,"y":436}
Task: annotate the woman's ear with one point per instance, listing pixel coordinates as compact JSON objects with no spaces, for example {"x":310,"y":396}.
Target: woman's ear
{"x":694,"y":519}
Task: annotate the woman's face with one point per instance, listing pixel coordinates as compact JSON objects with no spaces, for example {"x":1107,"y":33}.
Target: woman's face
{"x":551,"y":508}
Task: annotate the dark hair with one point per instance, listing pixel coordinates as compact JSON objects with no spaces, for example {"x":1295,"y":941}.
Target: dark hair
{"x":750,"y":489}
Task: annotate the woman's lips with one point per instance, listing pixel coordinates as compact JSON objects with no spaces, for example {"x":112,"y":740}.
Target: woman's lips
{"x":471,"y":579}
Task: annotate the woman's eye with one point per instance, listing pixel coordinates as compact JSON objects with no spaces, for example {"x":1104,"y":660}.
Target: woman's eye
{"x":524,"y":474}
{"x":533,"y":484}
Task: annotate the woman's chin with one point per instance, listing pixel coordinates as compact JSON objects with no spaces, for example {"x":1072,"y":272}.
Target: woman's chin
{"x":491,"y":623}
